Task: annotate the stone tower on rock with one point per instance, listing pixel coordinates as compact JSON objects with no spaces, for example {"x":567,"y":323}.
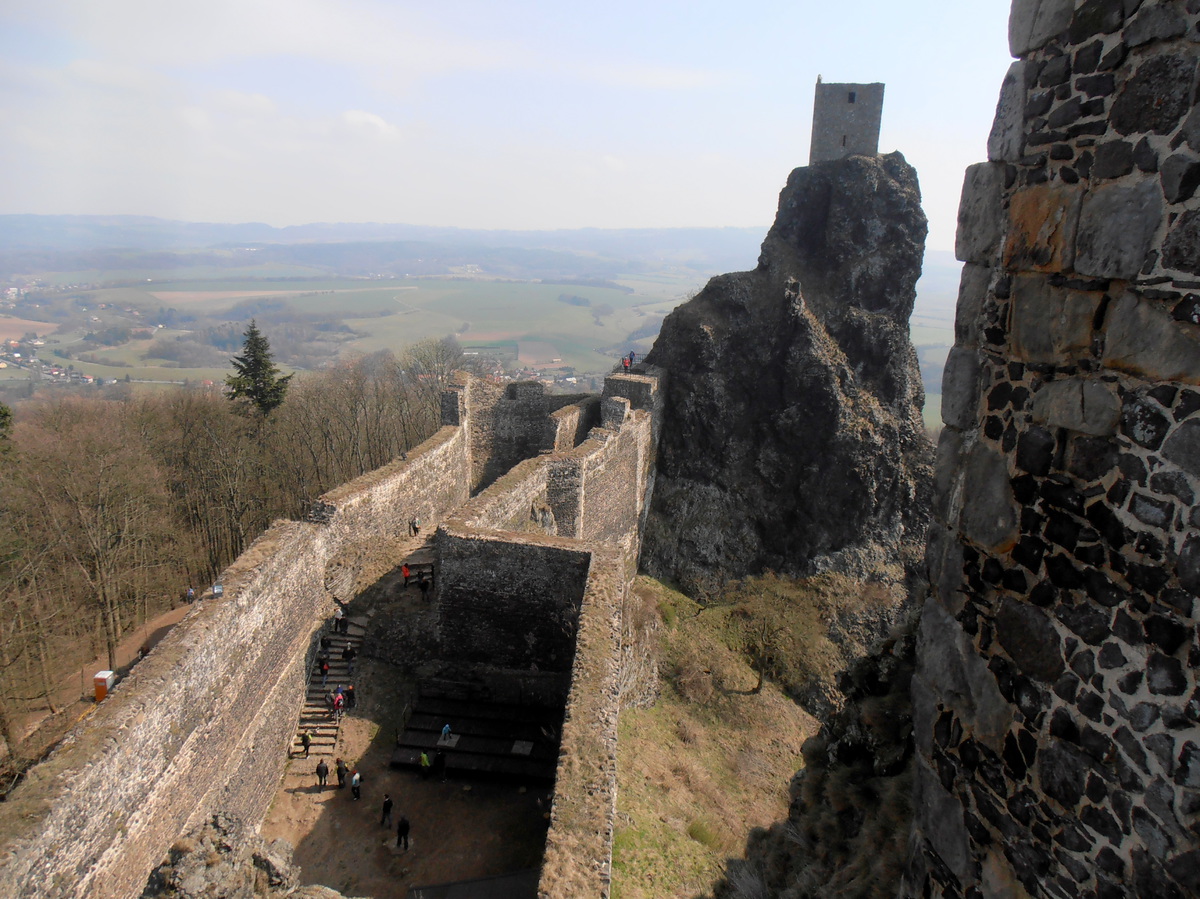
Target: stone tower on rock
{"x":846,"y":121}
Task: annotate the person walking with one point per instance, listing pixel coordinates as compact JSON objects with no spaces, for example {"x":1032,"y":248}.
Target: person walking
{"x":402,"y":833}
{"x":386,"y":819}
{"x":424,"y":766}
{"x":407,"y":572}
{"x":350,"y":700}
{"x":348,"y":656}
{"x":339,"y":704}
{"x":305,"y":742}
{"x":338,"y":615}
{"x":341,"y":772}
{"x":322,"y":773}
{"x":356,"y":785}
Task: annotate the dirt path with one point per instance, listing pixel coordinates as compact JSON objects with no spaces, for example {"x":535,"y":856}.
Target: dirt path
{"x":460,"y":829}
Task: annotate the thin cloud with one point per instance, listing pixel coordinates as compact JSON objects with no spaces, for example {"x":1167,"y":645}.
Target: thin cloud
{"x":361,"y":119}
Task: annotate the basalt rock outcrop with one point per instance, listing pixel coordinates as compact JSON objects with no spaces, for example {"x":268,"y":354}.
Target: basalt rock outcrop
{"x":792,"y":438}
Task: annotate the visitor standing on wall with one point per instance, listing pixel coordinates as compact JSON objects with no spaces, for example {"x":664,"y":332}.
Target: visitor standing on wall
{"x":356,"y":785}
{"x":402,"y":833}
{"x":625,"y":364}
{"x":322,"y":773}
{"x":386,"y":819}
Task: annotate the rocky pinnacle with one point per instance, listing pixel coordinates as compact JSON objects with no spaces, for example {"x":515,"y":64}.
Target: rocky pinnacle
{"x":792,"y":437}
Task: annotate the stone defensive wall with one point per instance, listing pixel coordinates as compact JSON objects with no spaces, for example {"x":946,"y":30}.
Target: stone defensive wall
{"x":535,"y":573}
{"x":203,"y":724}
{"x":1057,"y":704}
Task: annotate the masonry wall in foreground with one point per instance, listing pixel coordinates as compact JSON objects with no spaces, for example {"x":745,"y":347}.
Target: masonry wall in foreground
{"x":1057,"y":707}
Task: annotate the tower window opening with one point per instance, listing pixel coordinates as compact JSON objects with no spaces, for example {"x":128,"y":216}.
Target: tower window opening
{"x":853,"y":96}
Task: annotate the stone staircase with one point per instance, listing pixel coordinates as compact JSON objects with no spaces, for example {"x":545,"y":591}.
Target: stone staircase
{"x":315,"y":717}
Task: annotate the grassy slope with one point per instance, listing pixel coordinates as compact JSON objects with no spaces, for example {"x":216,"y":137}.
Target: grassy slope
{"x":703,"y":766}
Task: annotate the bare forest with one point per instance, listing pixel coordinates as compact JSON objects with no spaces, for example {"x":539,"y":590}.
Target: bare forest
{"x":112,"y":505}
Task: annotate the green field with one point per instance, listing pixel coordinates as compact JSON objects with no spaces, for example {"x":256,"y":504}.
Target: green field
{"x":525,"y":320}
{"x":393,"y":314}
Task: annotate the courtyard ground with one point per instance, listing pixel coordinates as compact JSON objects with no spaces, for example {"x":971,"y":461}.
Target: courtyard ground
{"x":461,"y":829}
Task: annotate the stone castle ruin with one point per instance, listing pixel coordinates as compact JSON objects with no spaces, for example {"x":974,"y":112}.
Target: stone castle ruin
{"x":1057,"y":705}
{"x":539,"y":504}
{"x":846,"y":120}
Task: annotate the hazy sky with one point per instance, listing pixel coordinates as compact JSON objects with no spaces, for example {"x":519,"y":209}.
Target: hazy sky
{"x":515,"y":114}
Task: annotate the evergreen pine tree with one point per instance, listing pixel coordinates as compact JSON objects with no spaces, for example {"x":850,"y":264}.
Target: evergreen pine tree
{"x":6,"y":423}
{"x":256,"y":377}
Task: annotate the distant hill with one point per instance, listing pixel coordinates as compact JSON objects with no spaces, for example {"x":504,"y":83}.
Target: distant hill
{"x":33,"y":243}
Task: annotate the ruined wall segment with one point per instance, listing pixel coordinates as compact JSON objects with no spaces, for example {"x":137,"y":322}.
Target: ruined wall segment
{"x":509,"y":601}
{"x":1057,"y":702}
{"x":169,"y":745}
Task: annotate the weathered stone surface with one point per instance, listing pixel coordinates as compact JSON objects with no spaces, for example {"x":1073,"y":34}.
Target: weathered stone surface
{"x":945,"y":558}
{"x":1114,"y":158}
{"x":1006,"y":142}
{"x":1154,"y":23}
{"x":1165,"y":675}
{"x":1035,"y":451}
{"x":1049,"y":323}
{"x":1142,"y":422}
{"x":1096,"y":17}
{"x":1116,"y":226}
{"x":989,"y":518}
{"x":1042,"y":224}
{"x":1063,"y":772}
{"x":1143,"y":339}
{"x":1183,"y":446}
{"x":1030,"y":639}
{"x":960,"y":388}
{"x":1083,"y":405}
{"x":980,"y":214}
{"x":1031,"y":23}
{"x":219,"y":859}
{"x":963,"y":681}
{"x":1181,"y":249}
{"x":1180,"y":176}
{"x":792,"y":426}
{"x":1156,"y":97}
{"x":972,"y":287}
{"x":940,"y":817}
{"x":1188,"y":568}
